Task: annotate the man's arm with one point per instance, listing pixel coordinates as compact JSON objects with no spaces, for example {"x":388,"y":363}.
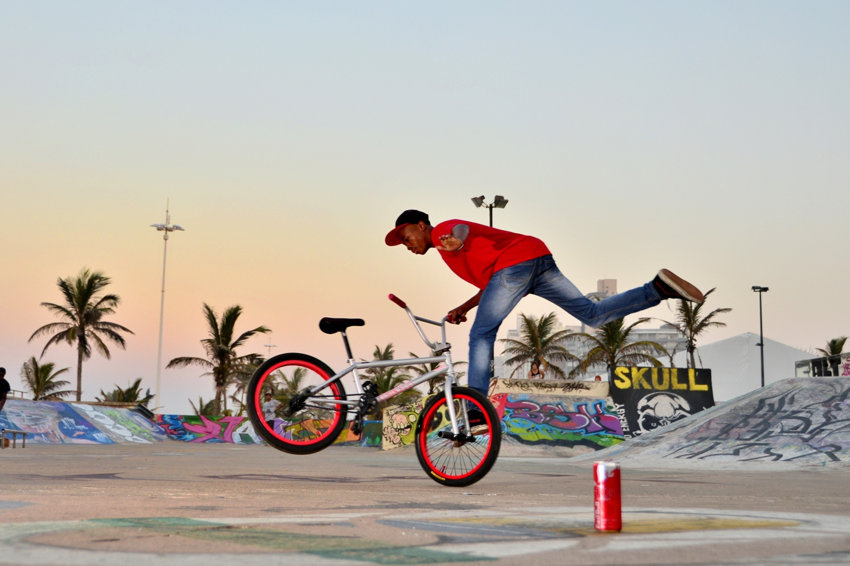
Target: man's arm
{"x":458,"y":314}
{"x":455,"y":242}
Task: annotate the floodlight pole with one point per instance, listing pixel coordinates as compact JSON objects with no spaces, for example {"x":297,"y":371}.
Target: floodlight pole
{"x":165,"y":229}
{"x":760,"y":290}
{"x":498,"y":202}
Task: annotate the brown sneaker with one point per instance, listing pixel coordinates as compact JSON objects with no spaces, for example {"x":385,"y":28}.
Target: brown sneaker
{"x":671,"y":286}
{"x":477,"y":423}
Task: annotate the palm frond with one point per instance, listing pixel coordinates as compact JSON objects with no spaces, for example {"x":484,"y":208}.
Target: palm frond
{"x":612,"y":345}
{"x":691,"y":322}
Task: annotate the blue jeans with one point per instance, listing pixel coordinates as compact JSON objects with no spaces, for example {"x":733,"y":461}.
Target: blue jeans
{"x":540,"y":277}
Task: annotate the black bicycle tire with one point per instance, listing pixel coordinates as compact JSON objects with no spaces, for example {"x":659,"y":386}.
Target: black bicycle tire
{"x":254,"y":403}
{"x":429,"y":461}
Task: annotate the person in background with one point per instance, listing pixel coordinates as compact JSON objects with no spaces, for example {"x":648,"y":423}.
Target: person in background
{"x":270,"y":405}
{"x":536,"y":372}
{"x":4,"y":388}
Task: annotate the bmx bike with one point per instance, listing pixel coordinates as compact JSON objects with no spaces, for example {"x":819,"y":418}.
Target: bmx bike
{"x":457,"y":434}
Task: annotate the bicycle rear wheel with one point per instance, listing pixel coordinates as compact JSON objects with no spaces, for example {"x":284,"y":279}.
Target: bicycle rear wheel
{"x":457,"y":460}
{"x":304,"y":423}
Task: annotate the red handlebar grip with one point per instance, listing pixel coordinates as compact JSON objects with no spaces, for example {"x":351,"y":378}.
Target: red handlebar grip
{"x":398,"y":301}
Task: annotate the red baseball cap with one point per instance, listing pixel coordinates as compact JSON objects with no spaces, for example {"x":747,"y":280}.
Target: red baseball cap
{"x":411,"y":216}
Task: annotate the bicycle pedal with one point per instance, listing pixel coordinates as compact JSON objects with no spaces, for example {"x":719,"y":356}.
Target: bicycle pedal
{"x":463,"y":439}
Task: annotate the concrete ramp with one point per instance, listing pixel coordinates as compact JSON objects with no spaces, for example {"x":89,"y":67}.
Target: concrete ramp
{"x":797,"y":422}
{"x":56,"y":422}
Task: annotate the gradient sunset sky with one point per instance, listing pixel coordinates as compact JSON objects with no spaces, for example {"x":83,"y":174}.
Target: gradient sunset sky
{"x":708,"y":137}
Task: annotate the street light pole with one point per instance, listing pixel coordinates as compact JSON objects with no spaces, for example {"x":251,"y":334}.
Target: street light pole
{"x":760,"y":290}
{"x":498,"y":202}
{"x":165,"y":229}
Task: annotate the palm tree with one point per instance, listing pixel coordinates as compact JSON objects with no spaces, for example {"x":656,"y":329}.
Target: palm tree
{"x":222,"y":361}
{"x":611,"y":345}
{"x":387,"y":378}
{"x":539,"y":342}
{"x":240,"y":379}
{"x":83,"y":323}
{"x":43,"y":382}
{"x":835,"y":347}
{"x":290,"y":385}
{"x":691,"y":323}
{"x":133,"y":394}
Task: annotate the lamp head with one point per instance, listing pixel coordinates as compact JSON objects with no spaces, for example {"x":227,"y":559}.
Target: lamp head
{"x":478,"y":201}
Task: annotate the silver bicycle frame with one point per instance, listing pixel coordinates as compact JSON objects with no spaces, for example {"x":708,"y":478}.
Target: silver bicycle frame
{"x":443,"y":349}
{"x":355,"y":366}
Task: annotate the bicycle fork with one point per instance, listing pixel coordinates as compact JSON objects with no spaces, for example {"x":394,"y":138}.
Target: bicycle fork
{"x":459,"y":438}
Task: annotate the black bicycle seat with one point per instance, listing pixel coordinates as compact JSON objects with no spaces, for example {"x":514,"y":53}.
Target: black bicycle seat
{"x":333,"y":325}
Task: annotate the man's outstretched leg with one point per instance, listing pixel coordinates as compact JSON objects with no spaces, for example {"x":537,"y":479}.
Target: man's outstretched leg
{"x":555,"y":287}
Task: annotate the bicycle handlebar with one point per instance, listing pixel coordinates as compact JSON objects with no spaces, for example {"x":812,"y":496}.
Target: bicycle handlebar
{"x":417,"y":319}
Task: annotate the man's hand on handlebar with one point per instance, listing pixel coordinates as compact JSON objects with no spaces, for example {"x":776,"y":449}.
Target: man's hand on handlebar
{"x":456,"y":316}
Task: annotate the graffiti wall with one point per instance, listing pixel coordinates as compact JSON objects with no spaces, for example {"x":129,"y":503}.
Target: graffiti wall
{"x":192,"y":428}
{"x":239,"y":430}
{"x":49,"y":422}
{"x":399,"y":425}
{"x":564,"y":421}
{"x":838,"y":365}
{"x":371,"y":435}
{"x":648,"y":398}
{"x":563,"y":413}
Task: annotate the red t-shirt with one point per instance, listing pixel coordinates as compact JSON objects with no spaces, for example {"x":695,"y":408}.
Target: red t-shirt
{"x":486,"y":250}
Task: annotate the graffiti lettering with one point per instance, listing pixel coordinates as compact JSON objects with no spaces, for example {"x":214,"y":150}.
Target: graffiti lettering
{"x":660,"y":379}
{"x":545,"y":386}
{"x":801,"y":420}
{"x":213,"y":431}
{"x":192,"y":428}
{"x":556,"y":415}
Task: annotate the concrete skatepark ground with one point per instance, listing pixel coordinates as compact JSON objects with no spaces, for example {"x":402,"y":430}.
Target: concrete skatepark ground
{"x":184,"y":503}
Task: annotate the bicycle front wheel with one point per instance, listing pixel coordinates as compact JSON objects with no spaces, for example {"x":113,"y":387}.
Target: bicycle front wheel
{"x":462,"y":459}
{"x":303,"y":422}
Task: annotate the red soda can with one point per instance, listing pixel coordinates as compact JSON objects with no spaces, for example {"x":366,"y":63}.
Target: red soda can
{"x":607,"y":505}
